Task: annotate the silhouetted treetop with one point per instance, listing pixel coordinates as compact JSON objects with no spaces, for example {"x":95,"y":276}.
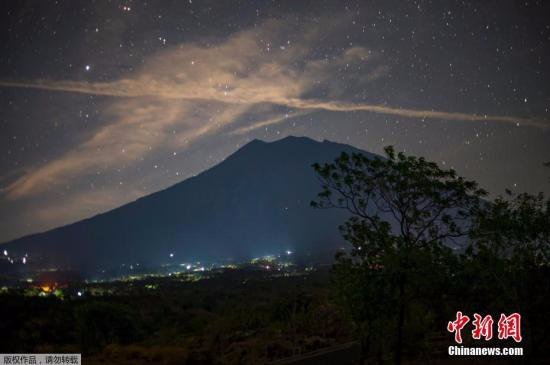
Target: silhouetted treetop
{"x":425,"y":203}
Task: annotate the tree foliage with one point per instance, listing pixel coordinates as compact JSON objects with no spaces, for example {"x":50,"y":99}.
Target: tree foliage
{"x":403,"y":210}
{"x":401,"y":279}
{"x":509,"y":261}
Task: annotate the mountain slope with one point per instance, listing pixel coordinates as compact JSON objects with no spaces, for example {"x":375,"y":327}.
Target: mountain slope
{"x":255,"y":202}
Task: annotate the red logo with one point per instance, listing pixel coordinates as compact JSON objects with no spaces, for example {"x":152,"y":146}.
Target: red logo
{"x":457,"y":325}
{"x":508,"y":326}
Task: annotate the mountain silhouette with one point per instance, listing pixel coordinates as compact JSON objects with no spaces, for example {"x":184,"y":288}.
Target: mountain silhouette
{"x":255,"y":202}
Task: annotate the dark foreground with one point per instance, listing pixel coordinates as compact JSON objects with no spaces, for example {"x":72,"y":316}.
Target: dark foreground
{"x":232,"y":317}
{"x":237,"y":316}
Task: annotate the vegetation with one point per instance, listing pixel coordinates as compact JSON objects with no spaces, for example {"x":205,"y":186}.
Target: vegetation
{"x":511,"y":259}
{"x":237,"y":317}
{"x":425,"y":245}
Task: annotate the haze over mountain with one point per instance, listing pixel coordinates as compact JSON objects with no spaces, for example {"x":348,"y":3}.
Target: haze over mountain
{"x":253,"y":203}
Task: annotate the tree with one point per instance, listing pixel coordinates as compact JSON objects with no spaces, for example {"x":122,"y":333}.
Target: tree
{"x":510,"y":256}
{"x":103,"y":323}
{"x":404,"y":211}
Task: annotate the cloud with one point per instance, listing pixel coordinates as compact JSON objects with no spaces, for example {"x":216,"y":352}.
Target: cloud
{"x":278,"y":118}
{"x":410,"y":113}
{"x":200,"y":90}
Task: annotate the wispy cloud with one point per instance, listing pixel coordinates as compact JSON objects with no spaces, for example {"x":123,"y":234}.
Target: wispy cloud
{"x":262,"y":123}
{"x":227,"y":94}
{"x":410,"y":113}
{"x":200,"y":90}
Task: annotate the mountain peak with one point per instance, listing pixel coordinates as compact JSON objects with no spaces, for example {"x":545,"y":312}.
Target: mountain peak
{"x":284,"y":140}
{"x":255,"y":202}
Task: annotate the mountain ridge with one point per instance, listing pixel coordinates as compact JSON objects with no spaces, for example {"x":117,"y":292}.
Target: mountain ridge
{"x":253,"y":202}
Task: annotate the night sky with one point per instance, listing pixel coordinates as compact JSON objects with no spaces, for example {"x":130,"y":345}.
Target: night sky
{"x":102,"y":102}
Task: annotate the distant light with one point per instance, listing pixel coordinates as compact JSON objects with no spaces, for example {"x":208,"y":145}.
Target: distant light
{"x":79,"y":294}
{"x":188,"y":267}
{"x":171,"y":254}
{"x":5,"y":253}
{"x":87,"y":67}
{"x":267,"y":267}
{"x":24,"y":260}
{"x":289,"y":252}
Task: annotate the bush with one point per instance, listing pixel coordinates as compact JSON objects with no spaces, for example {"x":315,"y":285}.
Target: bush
{"x":100,"y":324}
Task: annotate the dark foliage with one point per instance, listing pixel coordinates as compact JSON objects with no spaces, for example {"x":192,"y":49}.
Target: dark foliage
{"x":401,"y":280}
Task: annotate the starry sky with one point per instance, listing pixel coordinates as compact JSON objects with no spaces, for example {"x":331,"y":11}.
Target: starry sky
{"x":102,"y":102}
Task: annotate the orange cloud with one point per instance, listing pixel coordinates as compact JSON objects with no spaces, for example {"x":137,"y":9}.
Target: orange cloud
{"x":201,"y":90}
